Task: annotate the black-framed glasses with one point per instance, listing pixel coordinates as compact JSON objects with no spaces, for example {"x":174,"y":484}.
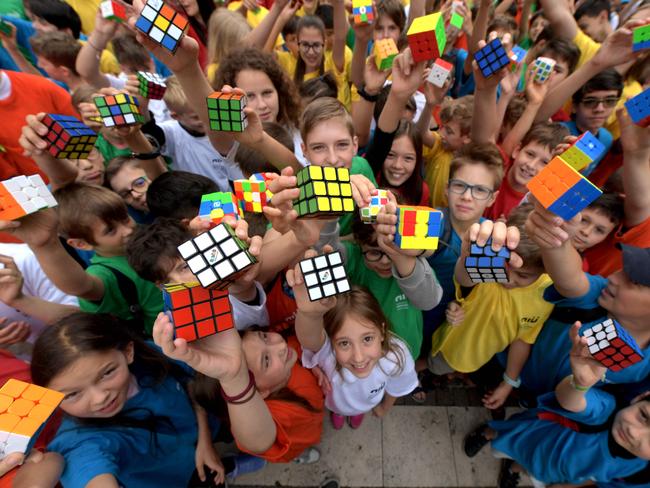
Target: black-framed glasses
{"x":593,"y":102}
{"x":477,"y":191}
{"x":311,"y":46}
{"x":374,"y":255}
{"x":138,"y":187}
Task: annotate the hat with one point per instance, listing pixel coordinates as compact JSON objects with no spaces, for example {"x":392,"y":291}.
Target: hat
{"x":636,"y":263}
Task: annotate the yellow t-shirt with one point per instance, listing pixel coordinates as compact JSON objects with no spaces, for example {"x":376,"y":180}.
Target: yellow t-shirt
{"x":87,"y":10}
{"x":107,"y":62}
{"x":437,"y":161}
{"x":494,"y":318}
{"x":254,"y":17}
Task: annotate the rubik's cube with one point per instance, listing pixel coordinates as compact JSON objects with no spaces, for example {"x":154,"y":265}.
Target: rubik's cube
{"x":251,"y":195}
{"x":641,"y":38}
{"x":226,"y":112}
{"x":427,"y":37}
{"x":385,"y":52}
{"x":612,"y":345}
{"x":583,"y":152}
{"x":543,"y":68}
{"x":363,"y":12}
{"x":197,"y":312}
{"x":377,"y":202}
{"x":216,"y":257}
{"x":324,"y":276}
{"x":639,"y":108}
{"x":324,"y":192}
{"x":517,"y":56}
{"x":265,"y":179}
{"x":113,"y":10}
{"x":484,"y":265}
{"x":24,"y":195}
{"x":120,"y":109}
{"x":162,"y":24}
{"x":151,"y":85}
{"x":68,"y":137}
{"x":215,"y":206}
{"x":440,"y":71}
{"x":491,"y":58}
{"x":418,"y":227}
{"x":24,"y":410}
{"x":456,"y":20}
{"x":562,"y":190}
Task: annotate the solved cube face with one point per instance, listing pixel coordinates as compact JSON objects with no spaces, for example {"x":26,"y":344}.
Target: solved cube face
{"x":24,"y":195}
{"x":638,"y":108}
{"x":226,"y":112}
{"x":197,"y":312}
{"x":251,"y":195}
{"x":418,"y":227}
{"x":377,"y":202}
{"x":324,"y":276}
{"x":215,"y":206}
{"x":385,"y":52}
{"x":583,"y":152}
{"x":641,"y":38}
{"x":363,"y":12}
{"x":324,"y":192}
{"x":427,"y":37}
{"x":491,"y":58}
{"x":113,"y":10}
{"x":69,"y":138}
{"x":543,"y":68}
{"x":162,"y":24}
{"x":440,"y":71}
{"x":485,"y":265}
{"x":216,"y":257}
{"x":120,"y":109}
{"x":24,"y":410}
{"x":151,"y":85}
{"x":612,"y":345}
{"x":456,"y":20}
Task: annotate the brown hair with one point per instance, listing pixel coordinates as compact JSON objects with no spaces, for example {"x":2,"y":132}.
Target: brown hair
{"x":175,"y":97}
{"x":458,"y":110}
{"x":130,"y":53}
{"x":83,"y":94}
{"x":547,"y":134}
{"x":309,"y":21}
{"x":392,"y":9}
{"x":115,"y":165}
{"x":527,"y":249}
{"x":225,"y":30}
{"x":506,"y":23}
{"x":58,"y":47}
{"x":321,"y":110}
{"x":514,"y":111}
{"x":486,"y":154}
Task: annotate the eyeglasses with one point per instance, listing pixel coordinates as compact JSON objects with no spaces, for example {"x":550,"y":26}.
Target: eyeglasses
{"x":477,"y":191}
{"x":138,"y":187}
{"x":374,"y":255}
{"x":593,"y":102}
{"x":311,"y":46}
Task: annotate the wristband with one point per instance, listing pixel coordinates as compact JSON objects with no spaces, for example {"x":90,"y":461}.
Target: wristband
{"x":514,"y":383}
{"x":577,"y":387}
{"x":367,"y":96}
{"x":237,"y":399}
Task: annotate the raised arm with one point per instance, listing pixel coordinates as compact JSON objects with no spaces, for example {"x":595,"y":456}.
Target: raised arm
{"x":261,"y":34}
{"x":340,"y":33}
{"x":479,"y":33}
{"x":89,"y":56}
{"x":285,"y":15}
{"x":362,"y":36}
{"x":636,"y":169}
{"x":524,"y":20}
{"x":560,"y":17}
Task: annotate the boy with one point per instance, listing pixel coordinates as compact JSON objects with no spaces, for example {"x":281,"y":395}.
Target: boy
{"x":56,"y":53}
{"x":598,"y":220}
{"x":177,"y":195}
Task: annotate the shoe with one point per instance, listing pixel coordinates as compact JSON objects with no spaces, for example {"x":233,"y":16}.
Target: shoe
{"x":355,"y":421}
{"x":338,"y":421}
{"x":245,"y":464}
{"x":475,"y":441}
{"x":507,"y":477}
{"x":330,"y":483}
{"x":310,"y":455}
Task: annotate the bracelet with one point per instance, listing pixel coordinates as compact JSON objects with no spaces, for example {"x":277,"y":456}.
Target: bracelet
{"x":367,"y":96}
{"x":237,"y":399}
{"x":576,"y":386}
{"x":93,"y":46}
{"x":514,"y":383}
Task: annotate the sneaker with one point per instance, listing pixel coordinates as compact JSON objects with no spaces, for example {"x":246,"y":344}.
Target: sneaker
{"x":245,"y":464}
{"x":310,"y":455}
{"x":338,"y":421}
{"x":475,"y":441}
{"x":507,"y":477}
{"x":355,"y":421}
{"x":330,"y":483}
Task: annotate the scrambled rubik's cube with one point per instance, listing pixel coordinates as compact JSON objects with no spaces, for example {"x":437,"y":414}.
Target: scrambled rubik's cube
{"x":456,"y":20}
{"x":215,"y":206}
{"x":543,"y":68}
{"x":68,"y":137}
{"x":196,"y":312}
{"x":583,"y":152}
{"x":324,"y":192}
{"x":641,"y":38}
{"x":363,"y":12}
{"x":427,"y":37}
{"x":491,"y":58}
{"x":418,"y":227}
{"x":385,"y":52}
{"x":24,"y":195}
{"x":517,"y":56}
{"x":226,"y":112}
{"x":251,"y":195}
{"x":440,"y":71}
{"x":484,"y":265}
{"x":24,"y":410}
{"x":639,"y":108}
{"x":151,"y":85}
{"x":120,"y":109}
{"x":324,"y":276}
{"x":216,"y":257}
{"x":162,"y":24}
{"x":113,"y":10}
{"x":612,"y":345}
{"x":377,"y":202}
{"x":265,"y":179}
{"x":562,"y":190}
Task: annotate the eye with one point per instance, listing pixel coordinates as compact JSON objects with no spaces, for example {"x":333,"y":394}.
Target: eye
{"x":343,"y":344}
{"x":267,"y":362}
{"x":318,"y":148}
{"x":409,"y":159}
{"x":391,"y":155}
{"x":71,"y":396}
{"x":368,"y":339}
{"x":267,"y":93}
{"x":109,"y":372}
{"x":343,"y":145}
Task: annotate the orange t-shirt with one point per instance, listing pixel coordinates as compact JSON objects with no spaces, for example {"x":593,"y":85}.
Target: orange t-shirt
{"x":280,"y":304}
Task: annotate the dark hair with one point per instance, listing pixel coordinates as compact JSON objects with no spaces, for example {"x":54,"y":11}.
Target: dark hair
{"x":252,"y":161}
{"x":486,"y":154}
{"x":129,"y":52}
{"x":561,"y":50}
{"x":308,"y":21}
{"x":609,"y":79}
{"x":547,"y":134}
{"x":514,"y":111}
{"x":382,"y":98}
{"x":206,"y":7}
{"x":322,"y":86}
{"x":592,"y":8}
{"x":506,"y":23}
{"x":611,"y":205}
{"x":58,"y":13}
{"x":326,"y":14}
{"x":280,"y":134}
{"x":177,"y":194}
{"x":394,"y":10}
{"x":291,"y":27}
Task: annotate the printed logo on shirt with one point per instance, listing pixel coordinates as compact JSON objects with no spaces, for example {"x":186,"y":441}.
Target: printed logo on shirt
{"x":527,"y":322}
{"x":376,"y":391}
{"x":401,"y":302}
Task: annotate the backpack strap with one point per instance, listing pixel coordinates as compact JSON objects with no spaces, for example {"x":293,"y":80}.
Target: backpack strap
{"x":129,"y":292}
{"x":445,"y":239}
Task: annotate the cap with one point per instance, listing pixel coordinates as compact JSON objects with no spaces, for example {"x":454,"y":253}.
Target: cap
{"x":636,"y":263}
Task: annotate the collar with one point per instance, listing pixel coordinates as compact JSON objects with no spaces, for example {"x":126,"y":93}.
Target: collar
{"x":191,"y":132}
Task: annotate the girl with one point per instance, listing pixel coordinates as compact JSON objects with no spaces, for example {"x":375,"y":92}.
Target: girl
{"x":227,"y":30}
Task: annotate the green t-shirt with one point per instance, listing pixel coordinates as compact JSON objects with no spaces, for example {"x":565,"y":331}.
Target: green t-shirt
{"x":15,"y":8}
{"x":405,"y":320}
{"x":149,"y":296}
{"x":108,"y":150}
{"x":359,"y":167}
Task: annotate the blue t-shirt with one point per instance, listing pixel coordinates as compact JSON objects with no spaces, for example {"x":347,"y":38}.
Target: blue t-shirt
{"x":604,"y":136}
{"x":24,"y":30}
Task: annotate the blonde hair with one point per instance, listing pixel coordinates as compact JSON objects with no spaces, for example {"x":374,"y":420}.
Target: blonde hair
{"x":458,"y":110}
{"x":226,"y":31}
{"x":175,"y":98}
{"x":321,"y":110}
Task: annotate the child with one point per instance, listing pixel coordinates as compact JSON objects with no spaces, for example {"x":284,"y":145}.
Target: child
{"x":177,"y":195}
{"x":56,"y":53}
{"x":598,"y":220}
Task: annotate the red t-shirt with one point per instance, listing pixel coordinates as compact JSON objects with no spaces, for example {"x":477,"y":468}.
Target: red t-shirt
{"x":612,"y":161}
{"x":280,"y":304}
{"x":507,"y":199}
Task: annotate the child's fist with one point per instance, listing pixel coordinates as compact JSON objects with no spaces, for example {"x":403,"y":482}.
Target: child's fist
{"x":548,"y":230}
{"x":501,"y":236}
{"x":31,"y":138}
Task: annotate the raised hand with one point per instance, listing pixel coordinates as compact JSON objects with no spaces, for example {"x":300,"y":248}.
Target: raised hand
{"x":11,"y":280}
{"x":586,"y":370}
{"x":296,"y":282}
{"x":501,"y":236}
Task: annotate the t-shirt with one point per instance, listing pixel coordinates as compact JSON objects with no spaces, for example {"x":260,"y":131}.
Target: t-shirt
{"x":507,"y":199}
{"x":87,"y":10}
{"x":149,"y":296}
{"x":603,"y":135}
{"x":437,"y":161}
{"x":494,"y":318}
{"x":108,"y":150}
{"x":14,"y":8}
{"x":352,"y":395}
{"x":359,"y":167}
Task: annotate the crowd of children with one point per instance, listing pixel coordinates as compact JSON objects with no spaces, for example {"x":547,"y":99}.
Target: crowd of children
{"x":82,"y":308}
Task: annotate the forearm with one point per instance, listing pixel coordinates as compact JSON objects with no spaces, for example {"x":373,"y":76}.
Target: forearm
{"x":562,"y":22}
{"x":569,"y":397}
{"x":418,"y":282}
{"x":422,"y":126}
{"x":277,"y":154}
{"x":340,"y":33}
{"x":103,"y":481}
{"x":524,"y":20}
{"x":484,"y":127}
{"x":138,"y":143}
{"x":392,"y":111}
{"x":19,"y":58}
{"x":309,"y":330}
{"x":88,"y":60}
{"x":278,"y":254}
{"x":269,"y":44}
{"x":564,"y":266}
{"x":205,"y":435}
{"x":358,"y":62}
{"x":260,"y":34}
{"x":478,"y":34}
{"x":523,"y":125}
{"x":362,"y":119}
{"x":417,"y":9}
{"x":388,"y":401}
{"x":47,"y":312}
{"x":636,"y":182}
{"x":518,"y":353}
{"x":503,"y":7}
{"x":43,"y":474}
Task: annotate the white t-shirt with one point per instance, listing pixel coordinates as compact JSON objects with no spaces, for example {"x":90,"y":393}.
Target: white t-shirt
{"x":351,"y":395}
{"x":297,"y":148}
{"x":245,"y":315}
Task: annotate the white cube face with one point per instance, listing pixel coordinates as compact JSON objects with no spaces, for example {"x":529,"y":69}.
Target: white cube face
{"x":315,"y":294}
{"x":14,"y":443}
{"x":310,"y":280}
{"x":196,"y":264}
{"x":224,"y":269}
{"x":306,"y":266}
{"x":187,"y":249}
{"x":219,"y":233}
{"x":240,"y":261}
{"x":207,"y":278}
{"x":213,"y":256}
{"x":320,"y":262}
{"x":335,"y":258}
{"x":203,"y":241}
{"x":129,"y":118}
{"x":325,"y":276}
{"x":329,"y":289}
{"x":229,"y":247}
{"x":343,"y":286}
{"x":156,"y":34}
{"x":174,"y":32}
{"x":149,"y":13}
{"x":338,"y":272}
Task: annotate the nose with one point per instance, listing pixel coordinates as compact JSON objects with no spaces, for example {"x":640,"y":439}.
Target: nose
{"x":332,"y":158}
{"x":467,"y":194}
{"x":99,"y":397}
{"x":357,"y":354}
{"x":586,"y":230}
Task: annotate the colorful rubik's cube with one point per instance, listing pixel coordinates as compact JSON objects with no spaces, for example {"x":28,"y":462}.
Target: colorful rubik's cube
{"x":562,"y":190}
{"x":24,"y":195}
{"x":456,"y":20}
{"x":612,"y":345}
{"x":385,"y":52}
{"x":583,"y":152}
{"x":216,"y":257}
{"x":226,"y":112}
{"x":484,"y":265}
{"x":113,"y":10}
{"x":427,"y":37}
{"x":24,"y":410}
{"x":324,"y":192}
{"x":418,"y":227}
{"x":69,"y":137}
{"x":641,"y":38}
{"x":265,"y":179}
{"x":543,"y":68}
{"x":517,"y":56}
{"x":151,"y":85}
{"x":120,"y":109}
{"x":377,"y":202}
{"x":363,"y":12}
{"x":491,"y":58}
{"x":162,"y":24}
{"x":639,"y":108}
{"x":215,"y":206}
{"x":251,"y":195}
{"x":440,"y":71}
{"x":324,"y":276}
{"x":197,"y":312}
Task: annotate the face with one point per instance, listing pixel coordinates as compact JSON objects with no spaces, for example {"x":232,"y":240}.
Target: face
{"x":386,"y":28}
{"x":90,"y":170}
{"x":190,"y":119}
{"x":191,"y":7}
{"x":53,"y":71}
{"x":537,"y":26}
{"x":330,"y":143}
{"x":466,"y":207}
{"x":595,"y":27}
{"x":560,"y":72}
{"x":376,"y":260}
{"x":131,"y":183}
{"x":111,"y":238}
{"x":96,"y":385}
{"x":451,"y":137}
{"x":594,"y":228}
{"x":400,"y":162}
{"x":358,"y":345}
{"x":270,"y":359}
{"x":595,"y":108}
{"x":631,"y":429}
{"x":260,"y":92}
{"x":625,"y":299}
{"x":522,"y":277}
{"x":311,"y":44}
{"x":527,"y":162}
{"x":291,"y":41}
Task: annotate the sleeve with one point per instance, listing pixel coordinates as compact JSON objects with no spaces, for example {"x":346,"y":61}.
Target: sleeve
{"x":245,"y":315}
{"x":379,"y":148}
{"x":588,"y":300}
{"x":600,"y":405}
{"x":421,"y":287}
{"x":115,"y":82}
{"x":168,"y":148}
{"x":324,"y":358}
{"x":406,"y":380}
{"x":587,"y":46}
{"x":112,"y":295}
